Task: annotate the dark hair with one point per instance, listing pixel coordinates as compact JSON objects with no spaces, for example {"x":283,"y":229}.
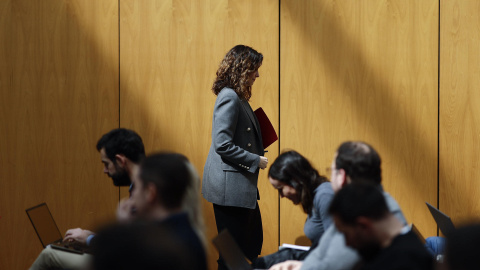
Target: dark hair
{"x":295,"y":170}
{"x":124,"y":142}
{"x":234,"y":69}
{"x":462,"y":250}
{"x":170,"y":175}
{"x":358,"y":200}
{"x":360,"y":161}
{"x":139,"y":245}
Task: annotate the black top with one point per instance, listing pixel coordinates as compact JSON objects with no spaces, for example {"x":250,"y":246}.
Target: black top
{"x":181,"y":227}
{"x":405,"y":252}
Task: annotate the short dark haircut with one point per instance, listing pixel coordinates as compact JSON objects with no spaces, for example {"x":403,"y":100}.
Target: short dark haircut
{"x":170,"y":174}
{"x":358,"y":200}
{"x":360,"y":161}
{"x":295,"y":170}
{"x":462,"y":248}
{"x":122,"y":141}
{"x":139,"y":245}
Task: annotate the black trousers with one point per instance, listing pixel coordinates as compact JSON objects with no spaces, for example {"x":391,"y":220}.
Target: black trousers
{"x":245,"y":226}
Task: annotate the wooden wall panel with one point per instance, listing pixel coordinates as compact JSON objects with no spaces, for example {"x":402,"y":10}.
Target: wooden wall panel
{"x":170,"y":51}
{"x":459,"y":109}
{"x":363,"y":70}
{"x":59,"y":94}
{"x":350,"y":70}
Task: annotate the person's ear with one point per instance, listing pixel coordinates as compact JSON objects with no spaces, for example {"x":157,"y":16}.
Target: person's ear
{"x":121,"y":160}
{"x":364,"y":224}
{"x":343,"y":177}
{"x":151,"y":193}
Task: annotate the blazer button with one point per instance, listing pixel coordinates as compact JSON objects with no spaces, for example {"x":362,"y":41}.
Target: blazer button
{"x":248,"y":129}
{"x":248,"y":168}
{"x":249,"y":144}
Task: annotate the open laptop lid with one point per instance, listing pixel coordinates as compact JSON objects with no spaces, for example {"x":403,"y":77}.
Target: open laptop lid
{"x":44,"y":224}
{"x":418,"y":233}
{"x":230,"y":251}
{"x":443,"y":221}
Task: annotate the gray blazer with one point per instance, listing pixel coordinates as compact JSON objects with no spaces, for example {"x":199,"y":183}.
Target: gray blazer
{"x":230,"y":174}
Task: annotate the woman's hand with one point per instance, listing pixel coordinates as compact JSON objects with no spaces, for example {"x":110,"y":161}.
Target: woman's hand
{"x":263,"y":163}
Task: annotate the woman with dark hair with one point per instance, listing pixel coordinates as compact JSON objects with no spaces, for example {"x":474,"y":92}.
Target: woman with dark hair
{"x":295,"y":179}
{"x":236,"y":154}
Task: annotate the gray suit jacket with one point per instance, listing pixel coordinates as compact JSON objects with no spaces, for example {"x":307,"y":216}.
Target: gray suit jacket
{"x":230,"y":174}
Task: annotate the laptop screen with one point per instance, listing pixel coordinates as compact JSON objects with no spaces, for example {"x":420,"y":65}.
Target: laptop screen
{"x":230,"y":251}
{"x":44,"y":224}
{"x":443,"y":221}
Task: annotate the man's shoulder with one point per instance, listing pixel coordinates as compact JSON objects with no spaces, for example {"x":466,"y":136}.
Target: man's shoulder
{"x":394,"y":207}
{"x":400,"y":261}
{"x":324,"y":188}
{"x":181,"y":228}
{"x":333,"y":238}
{"x":178,"y":221}
{"x":409,"y":242}
{"x":331,"y":253}
{"x":405,"y":252}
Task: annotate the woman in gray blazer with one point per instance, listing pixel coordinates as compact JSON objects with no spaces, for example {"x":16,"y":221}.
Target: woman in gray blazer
{"x":236,"y":154}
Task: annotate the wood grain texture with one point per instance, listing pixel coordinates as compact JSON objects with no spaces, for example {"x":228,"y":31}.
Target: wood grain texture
{"x":170,"y":51}
{"x":459,"y":109}
{"x":61,"y":95}
{"x":350,"y":70}
{"x":363,"y":70}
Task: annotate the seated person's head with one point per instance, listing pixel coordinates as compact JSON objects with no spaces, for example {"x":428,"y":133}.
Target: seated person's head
{"x":295,"y":178}
{"x":160,"y":184}
{"x":121,"y":141}
{"x":116,"y":148}
{"x":355,"y":209}
{"x":355,"y":162}
{"x":138,"y":245}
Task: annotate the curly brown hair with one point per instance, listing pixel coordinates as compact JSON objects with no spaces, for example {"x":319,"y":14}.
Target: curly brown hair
{"x":234,"y":69}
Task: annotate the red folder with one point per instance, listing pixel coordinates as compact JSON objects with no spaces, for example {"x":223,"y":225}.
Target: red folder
{"x":269,"y":135}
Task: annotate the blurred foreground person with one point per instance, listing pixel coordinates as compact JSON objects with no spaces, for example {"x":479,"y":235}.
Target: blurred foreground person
{"x":140,"y":245}
{"x":159,"y":190}
{"x":360,"y":212}
{"x":462,"y":249}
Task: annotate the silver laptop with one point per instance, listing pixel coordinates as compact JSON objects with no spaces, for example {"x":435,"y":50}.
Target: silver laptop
{"x":443,"y":221}
{"x":47,"y":230}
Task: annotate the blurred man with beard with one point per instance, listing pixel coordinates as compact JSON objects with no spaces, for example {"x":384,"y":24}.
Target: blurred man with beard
{"x":121,"y":151}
